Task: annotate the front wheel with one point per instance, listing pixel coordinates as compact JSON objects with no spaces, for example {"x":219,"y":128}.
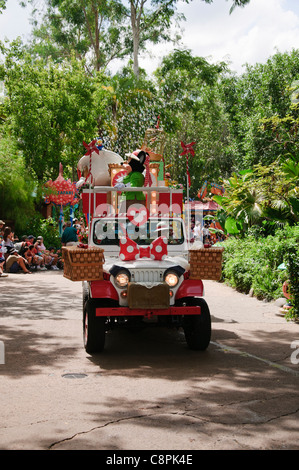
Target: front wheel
{"x":94,"y":329}
{"x":197,"y":328}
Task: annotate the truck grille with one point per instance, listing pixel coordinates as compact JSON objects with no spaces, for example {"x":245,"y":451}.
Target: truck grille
{"x":147,"y":275}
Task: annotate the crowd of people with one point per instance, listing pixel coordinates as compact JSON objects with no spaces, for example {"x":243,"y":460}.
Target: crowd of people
{"x":29,"y":254}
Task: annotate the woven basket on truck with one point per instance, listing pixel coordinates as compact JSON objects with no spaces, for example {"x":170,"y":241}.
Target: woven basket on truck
{"x":83,"y":264}
{"x":206,"y":263}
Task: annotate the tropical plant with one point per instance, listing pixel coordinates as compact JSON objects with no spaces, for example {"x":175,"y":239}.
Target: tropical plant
{"x":293,"y":272}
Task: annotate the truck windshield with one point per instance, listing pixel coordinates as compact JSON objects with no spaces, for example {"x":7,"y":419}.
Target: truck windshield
{"x":109,"y":231}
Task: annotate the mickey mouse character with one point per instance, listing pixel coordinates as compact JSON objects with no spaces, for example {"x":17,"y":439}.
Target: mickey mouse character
{"x":135,"y":166}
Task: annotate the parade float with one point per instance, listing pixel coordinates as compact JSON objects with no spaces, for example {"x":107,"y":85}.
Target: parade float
{"x":139,"y":268}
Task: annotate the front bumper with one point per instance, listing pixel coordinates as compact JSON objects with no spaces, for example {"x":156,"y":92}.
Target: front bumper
{"x":147,"y":313}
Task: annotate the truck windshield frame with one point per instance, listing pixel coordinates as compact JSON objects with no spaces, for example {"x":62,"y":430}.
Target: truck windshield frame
{"x":108,"y":231}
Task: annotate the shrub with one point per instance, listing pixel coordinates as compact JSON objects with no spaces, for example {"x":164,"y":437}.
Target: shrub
{"x":293,"y":272}
{"x":46,"y":228}
{"x":252,"y":263}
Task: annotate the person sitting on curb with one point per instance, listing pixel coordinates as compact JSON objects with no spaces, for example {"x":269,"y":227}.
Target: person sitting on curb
{"x":50,"y":259}
{"x":2,"y":224}
{"x":37,"y":253}
{"x":13,"y":261}
{"x":57,"y":257}
{"x":33,"y":260}
{"x":2,"y":261}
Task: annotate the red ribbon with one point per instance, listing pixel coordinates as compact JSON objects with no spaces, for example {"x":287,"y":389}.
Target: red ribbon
{"x":147,"y":179}
{"x":129,"y":250}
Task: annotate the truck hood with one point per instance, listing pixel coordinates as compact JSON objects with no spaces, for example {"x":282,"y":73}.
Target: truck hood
{"x":147,"y":263}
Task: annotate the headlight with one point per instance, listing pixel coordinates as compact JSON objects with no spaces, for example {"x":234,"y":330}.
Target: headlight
{"x":122,"y":279}
{"x":171,"y":279}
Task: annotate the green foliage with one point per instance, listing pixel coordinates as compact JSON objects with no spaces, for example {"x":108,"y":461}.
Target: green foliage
{"x":293,"y":273}
{"x":252,"y":263}
{"x":264,"y":195}
{"x":128,"y":107}
{"x":47,"y":228}
{"x":17,"y":185}
{"x":191,"y":110}
{"x":49,"y":109}
{"x":261,"y":93}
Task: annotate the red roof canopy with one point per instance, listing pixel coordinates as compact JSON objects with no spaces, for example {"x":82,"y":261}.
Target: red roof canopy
{"x":203,"y":206}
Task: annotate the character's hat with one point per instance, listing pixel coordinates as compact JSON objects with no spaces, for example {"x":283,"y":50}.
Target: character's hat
{"x":134,"y":154}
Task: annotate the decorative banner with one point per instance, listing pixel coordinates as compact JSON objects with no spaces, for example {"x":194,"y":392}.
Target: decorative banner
{"x":217,"y":189}
{"x":214,"y":189}
{"x":129,"y":250}
{"x":203,"y":191}
{"x":64,"y":191}
{"x":188,"y":148}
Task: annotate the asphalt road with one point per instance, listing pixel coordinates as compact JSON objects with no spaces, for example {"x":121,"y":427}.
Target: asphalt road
{"x":146,"y":391}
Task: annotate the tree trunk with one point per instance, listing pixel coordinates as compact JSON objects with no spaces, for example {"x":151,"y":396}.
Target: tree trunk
{"x":135,"y":23}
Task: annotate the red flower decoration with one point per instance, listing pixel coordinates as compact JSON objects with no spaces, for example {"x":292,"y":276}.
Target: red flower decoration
{"x":188,"y":148}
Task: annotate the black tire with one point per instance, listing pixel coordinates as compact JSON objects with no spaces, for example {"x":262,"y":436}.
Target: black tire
{"x":94,"y":329}
{"x":85,"y":292}
{"x":197,"y":328}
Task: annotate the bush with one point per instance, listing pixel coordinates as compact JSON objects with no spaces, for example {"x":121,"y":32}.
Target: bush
{"x":293,"y":272}
{"x":46,"y":228}
{"x":252,"y":263}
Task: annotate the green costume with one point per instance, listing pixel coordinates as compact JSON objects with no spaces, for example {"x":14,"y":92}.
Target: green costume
{"x":136,"y":180}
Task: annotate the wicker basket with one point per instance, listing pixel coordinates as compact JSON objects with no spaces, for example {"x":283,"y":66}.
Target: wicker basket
{"x":206,"y":263}
{"x":83,"y":264}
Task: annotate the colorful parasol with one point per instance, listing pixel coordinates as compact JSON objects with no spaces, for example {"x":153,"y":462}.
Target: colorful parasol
{"x":63,"y":191}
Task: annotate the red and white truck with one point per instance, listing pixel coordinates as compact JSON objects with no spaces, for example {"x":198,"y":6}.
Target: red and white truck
{"x":145,"y":276}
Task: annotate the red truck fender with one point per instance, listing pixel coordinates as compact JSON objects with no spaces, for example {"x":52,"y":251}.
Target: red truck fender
{"x":190,"y":288}
{"x":103,"y":290}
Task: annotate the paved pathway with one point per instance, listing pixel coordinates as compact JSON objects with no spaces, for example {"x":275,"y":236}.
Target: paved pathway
{"x":146,"y":391}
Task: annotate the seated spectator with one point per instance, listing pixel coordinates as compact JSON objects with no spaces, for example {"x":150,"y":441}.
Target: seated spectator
{"x":2,"y":223}
{"x":39,"y":256}
{"x":49,"y":258}
{"x":57,"y":263}
{"x":13,"y":261}
{"x":33,"y":260}
{"x":69,"y":235}
{"x":21,"y":245}
{"x":2,"y":261}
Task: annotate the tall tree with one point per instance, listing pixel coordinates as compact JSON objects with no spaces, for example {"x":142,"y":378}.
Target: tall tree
{"x":92,"y":29}
{"x":108,"y":29}
{"x":192,"y":111}
{"x":49,"y":109}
